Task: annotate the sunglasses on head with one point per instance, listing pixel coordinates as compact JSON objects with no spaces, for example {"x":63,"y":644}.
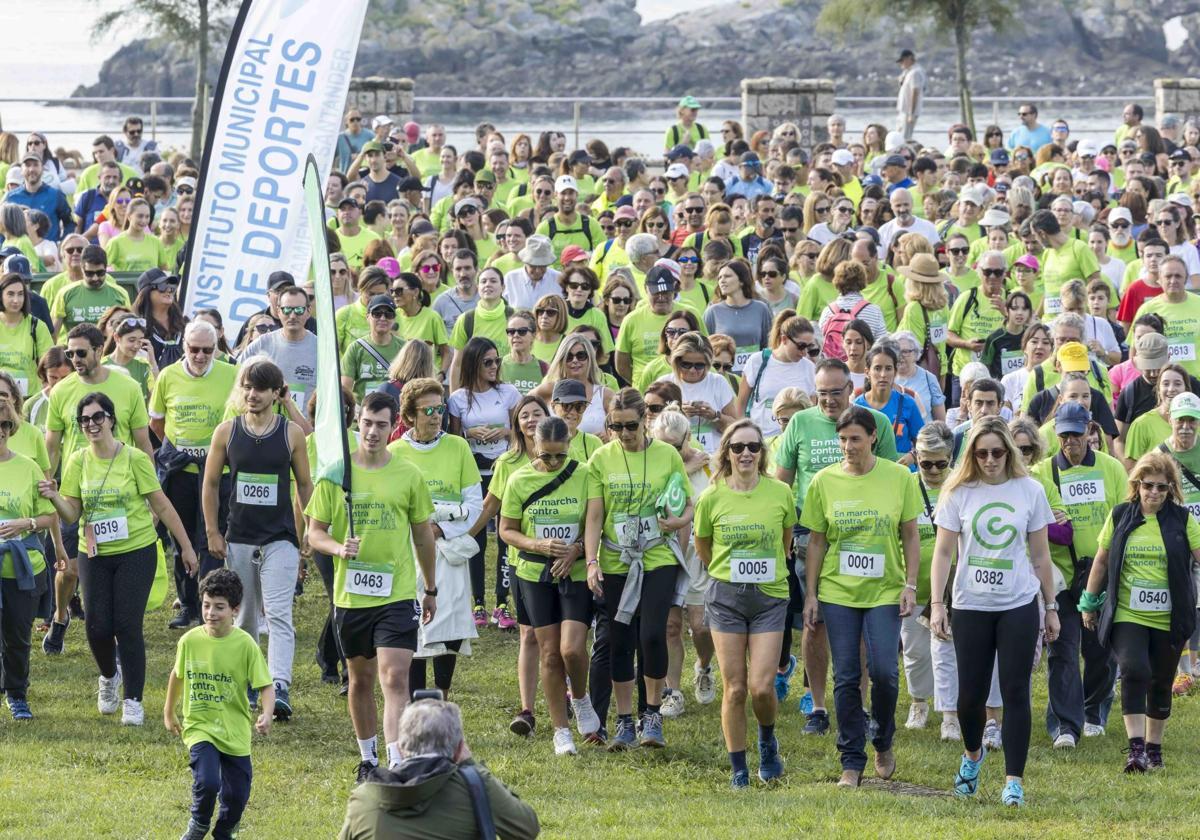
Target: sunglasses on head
{"x":738,"y":448}
{"x":630,"y":426}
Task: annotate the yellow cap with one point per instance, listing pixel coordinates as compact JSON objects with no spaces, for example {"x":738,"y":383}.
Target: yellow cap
{"x":1072,"y":356}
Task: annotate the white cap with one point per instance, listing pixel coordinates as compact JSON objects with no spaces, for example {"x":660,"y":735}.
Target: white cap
{"x":1120,"y":213}
{"x":564,"y":183}
{"x":382,"y":119}
{"x":1182,"y":199}
{"x":842,"y":157}
{"x":975,"y":195}
{"x":893,"y":141}
{"x":676,"y":170}
{"x":1086,"y":147}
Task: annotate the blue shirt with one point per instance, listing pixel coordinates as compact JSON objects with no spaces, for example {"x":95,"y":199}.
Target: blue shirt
{"x":349,"y":145}
{"x":88,"y":206}
{"x":901,"y":185}
{"x":1034,"y":138}
{"x":902,"y":410}
{"x":750,"y":189}
{"x":51,"y":202}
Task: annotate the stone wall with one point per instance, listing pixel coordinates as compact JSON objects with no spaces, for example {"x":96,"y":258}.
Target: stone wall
{"x":377,"y":95}
{"x":767,"y":102}
{"x":1177,"y":96}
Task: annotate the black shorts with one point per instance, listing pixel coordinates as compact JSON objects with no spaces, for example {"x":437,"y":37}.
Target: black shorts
{"x":70,"y":538}
{"x":363,"y":630}
{"x":544,"y":604}
{"x":518,"y":599}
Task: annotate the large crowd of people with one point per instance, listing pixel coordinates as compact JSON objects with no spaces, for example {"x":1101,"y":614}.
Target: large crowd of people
{"x":870,"y":404}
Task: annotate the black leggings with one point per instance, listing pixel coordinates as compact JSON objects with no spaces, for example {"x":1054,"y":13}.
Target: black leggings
{"x":443,"y":669}
{"x":650,"y":636}
{"x":1147,"y":660}
{"x":980,"y":639}
{"x":115,"y":590}
{"x":477,"y":562}
{"x":329,"y":655}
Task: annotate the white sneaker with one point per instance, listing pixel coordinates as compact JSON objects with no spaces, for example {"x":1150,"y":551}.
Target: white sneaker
{"x":672,"y":703}
{"x":133,"y":714}
{"x":108,"y":698}
{"x":1064,"y":741}
{"x":1092,"y":730}
{"x":586,"y":719}
{"x":704,"y":684}
{"x":563,"y":743}
{"x":918,"y":715}
{"x":991,"y":735}
{"x":951,"y":731}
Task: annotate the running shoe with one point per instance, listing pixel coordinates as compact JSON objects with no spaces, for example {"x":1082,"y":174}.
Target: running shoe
{"x":283,"y":703}
{"x":918,"y":715}
{"x":480,"y":615}
{"x":1137,"y":762}
{"x":624,"y":738}
{"x":818,"y":723}
{"x":967,"y":780}
{"x":770,"y":763}
{"x":108,"y":700}
{"x":564,"y":744}
{"x":951,"y":730}
{"x":783,"y":679}
{"x":133,"y":714}
{"x":806,"y":703}
{"x":1182,"y":685}
{"x":991,"y":736}
{"x":55,"y":641}
{"x":740,"y":780}
{"x":598,"y":738}
{"x":652,"y":730}
{"x":704,"y":684}
{"x":363,"y":772}
{"x":195,"y":831}
{"x":586,"y":719}
{"x":523,"y":723}
{"x":1154,"y":759}
{"x":1013,"y":794}
{"x":183,"y":619}
{"x":672,"y":703}
{"x":1093,"y":730}
{"x":19,"y":709}
{"x":502,"y":618}
{"x":1064,"y":741}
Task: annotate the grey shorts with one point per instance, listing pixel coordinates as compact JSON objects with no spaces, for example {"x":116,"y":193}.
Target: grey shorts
{"x":743,"y":608}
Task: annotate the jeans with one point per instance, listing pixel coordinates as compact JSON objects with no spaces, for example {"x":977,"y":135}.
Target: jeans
{"x":216,"y":774}
{"x":268,"y":574}
{"x":17,"y":610}
{"x":183,"y":489}
{"x":1075,"y":701}
{"x":879,"y":629}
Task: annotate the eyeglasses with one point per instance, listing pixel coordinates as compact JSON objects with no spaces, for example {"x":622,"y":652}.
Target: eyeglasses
{"x":543,"y":193}
{"x":93,"y":419}
{"x":631,"y":426}
{"x":958,"y":252}
{"x":832,"y":395}
{"x":77,"y":354}
{"x":203,"y":351}
{"x":693,"y":365}
{"x":431,"y":410}
{"x":581,"y":356}
{"x":518,"y":331}
{"x":723,"y":367}
{"x":738,"y":448}
{"x":994,"y":454}
{"x":1155,"y":486}
{"x":385,"y":314}
{"x":992,"y":272}
{"x":620,"y":301}
{"x":933,"y":465}
{"x":293,"y":310}
{"x":579,"y":287}
{"x":551,"y":457}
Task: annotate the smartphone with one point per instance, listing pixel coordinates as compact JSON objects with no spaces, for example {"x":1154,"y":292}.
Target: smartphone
{"x":428,"y":694}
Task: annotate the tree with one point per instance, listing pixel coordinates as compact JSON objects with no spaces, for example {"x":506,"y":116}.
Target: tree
{"x":186,"y":24}
{"x":961,"y":17}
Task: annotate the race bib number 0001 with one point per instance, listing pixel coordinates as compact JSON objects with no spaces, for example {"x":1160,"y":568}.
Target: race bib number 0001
{"x":862,"y":563}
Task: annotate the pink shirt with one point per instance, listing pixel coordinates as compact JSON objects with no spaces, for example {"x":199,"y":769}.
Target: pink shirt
{"x":1120,"y":376}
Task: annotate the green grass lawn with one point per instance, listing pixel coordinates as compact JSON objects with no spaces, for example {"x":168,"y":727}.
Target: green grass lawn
{"x":73,"y":774}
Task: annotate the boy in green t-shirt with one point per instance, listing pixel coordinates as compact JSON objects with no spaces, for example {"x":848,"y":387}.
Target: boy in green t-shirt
{"x":215,"y":664}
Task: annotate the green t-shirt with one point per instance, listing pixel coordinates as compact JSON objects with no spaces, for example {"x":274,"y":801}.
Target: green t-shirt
{"x":114,"y":498}
{"x":386,"y":502}
{"x":215,"y":672}
{"x":127,"y":399}
{"x":638,"y":336}
{"x":485,"y":323}
{"x":20,"y":348}
{"x":364,"y":368}
{"x":545,"y":350}
{"x":428,"y":161}
{"x":572,"y":233}
{"x":128,"y":254}
{"x":524,"y":376}
{"x":860,"y":515}
{"x":888,"y":295}
{"x":1183,"y":328}
{"x":932,"y":326}
{"x":971,"y":232}
{"x":1143,"y":596}
{"x":19,"y":499}
{"x":1145,"y":433}
{"x":192,"y":406}
{"x":747,"y":530}
{"x":654,"y":370}
{"x":425,"y":326}
{"x":815,"y":297}
{"x":90,"y":177}
{"x":810,"y":443}
{"x":448,"y":468}
{"x":502,"y":470}
{"x":973,"y":317}
{"x":630,"y":484}
{"x":609,"y":255}
{"x":78,"y":303}
{"x":355,"y":246}
{"x":583,"y":446}
{"x":1088,"y":493}
{"x":351,"y":322}
{"x":138,"y":370}
{"x":1073,"y":260}
{"x":594,"y":318}
{"x":30,"y":441}
{"x":558,"y":515}
{"x":1191,"y":461}
{"x":1051,"y":377}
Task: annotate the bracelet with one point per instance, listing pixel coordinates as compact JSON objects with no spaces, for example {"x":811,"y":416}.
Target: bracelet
{"x":593,"y":562}
{"x":936,"y":603}
{"x":911,"y":586}
{"x":432,"y":592}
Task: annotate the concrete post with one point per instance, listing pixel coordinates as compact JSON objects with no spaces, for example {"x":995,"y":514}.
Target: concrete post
{"x":767,"y":102}
{"x":1177,"y":96}
{"x":377,"y":95}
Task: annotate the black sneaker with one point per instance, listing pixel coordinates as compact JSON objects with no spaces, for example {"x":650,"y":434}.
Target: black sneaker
{"x":283,"y":703}
{"x":55,"y":640}
{"x":818,"y":723}
{"x":182,"y":620}
{"x":365,"y":768}
{"x":523,"y":724}
{"x":195,"y":831}
{"x":75,"y":608}
{"x":1154,"y":759}
{"x":344,"y":689}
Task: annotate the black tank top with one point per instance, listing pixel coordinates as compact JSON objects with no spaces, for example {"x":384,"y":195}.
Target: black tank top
{"x":260,"y":509}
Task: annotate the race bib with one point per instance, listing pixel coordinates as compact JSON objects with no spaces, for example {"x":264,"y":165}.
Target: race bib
{"x":114,"y":526}
{"x":708,"y":437}
{"x":989,"y":575}
{"x":742,"y":356}
{"x":362,"y":579}
{"x":568,"y":532}
{"x":1011,"y":360}
{"x":1053,"y":305}
{"x":1193,"y":508}
{"x":1082,"y":491}
{"x":751,"y":567}
{"x":937,"y":333}
{"x":1148,"y":597}
{"x":257,"y":489}
{"x":631,"y":529}
{"x":298,"y":394}
{"x":861,"y":562}
{"x":1181,"y":350}
{"x":194,"y":451}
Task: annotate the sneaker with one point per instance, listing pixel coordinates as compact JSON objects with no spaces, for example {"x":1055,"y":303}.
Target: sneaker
{"x":19,"y":709}
{"x":107,"y":699}
{"x":1013,"y":794}
{"x":1064,"y":741}
{"x":195,"y":831}
{"x":672,"y":703}
{"x":704,"y":684}
{"x":133,"y":714}
{"x":652,"y":730}
{"x":1137,"y":762}
{"x":598,"y":738}
{"x":1093,"y":730}
{"x":183,"y":619}
{"x":75,"y":607}
{"x":586,"y":719}
{"x":365,"y":768}
{"x":918,"y":716}
{"x":480,"y":615}
{"x":523,"y":723}
{"x":55,"y":641}
{"x":783,"y":680}
{"x":967,"y":780}
{"x":1154,"y":759}
{"x":740,"y":779}
{"x":502,"y":618}
{"x":991,"y":736}
{"x":1182,"y":685}
{"x":283,"y":703}
{"x":817,"y":724}
{"x":806,"y":703}
{"x":624,"y":738}
{"x":564,"y":744}
{"x":770,"y":763}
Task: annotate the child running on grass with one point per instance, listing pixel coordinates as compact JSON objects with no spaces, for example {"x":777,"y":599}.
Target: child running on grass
{"x":215,"y":665}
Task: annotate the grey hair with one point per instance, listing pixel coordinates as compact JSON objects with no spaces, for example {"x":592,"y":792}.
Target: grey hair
{"x":430,"y":727}
{"x":201,"y":328}
{"x":993,"y":254}
{"x":972,"y":371}
{"x":14,"y":220}
{"x":641,"y":245}
{"x":935,"y":437}
{"x":1068,"y":319}
{"x":671,"y":422}
{"x":904,"y":335}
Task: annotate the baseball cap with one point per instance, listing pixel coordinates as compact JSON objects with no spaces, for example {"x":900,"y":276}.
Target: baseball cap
{"x":1029,"y":261}
{"x":382,"y":119}
{"x":349,"y":200}
{"x":412,"y":131}
{"x":676,"y":170}
{"x":1186,"y":404}
{"x":660,"y":279}
{"x":895,"y":160}
{"x":372,"y":146}
{"x":1153,"y":352}
{"x":905,"y":54}
{"x":185,"y":181}
{"x":682,"y":151}
{"x":565,"y":182}
{"x":1120,"y":213}
{"x":579,"y":156}
{"x":842,"y":157}
{"x":19,"y":264}
{"x":466,"y":204}
{"x":1179,"y":154}
{"x":155,"y":278}
{"x":872,"y":181}
{"x":1086,"y":148}
{"x":572,"y":253}
{"x":893,"y":141}
{"x":1072,"y":356}
{"x":625,"y":211}
{"x":568,"y":391}
{"x":995,"y":216}
{"x":487,"y":176}
{"x":1071,"y":417}
{"x":28,"y":156}
{"x":381,"y":301}
{"x":422,"y":227}
{"x":751,"y":159}
{"x":999,"y":157}
{"x":1181,"y":198}
{"x":1128,"y":143}
{"x":1060,"y":123}
{"x":279,"y":279}
{"x":974,"y":195}
{"x":689,"y":102}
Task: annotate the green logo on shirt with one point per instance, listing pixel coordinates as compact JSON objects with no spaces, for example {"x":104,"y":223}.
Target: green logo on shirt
{"x":994,"y":527}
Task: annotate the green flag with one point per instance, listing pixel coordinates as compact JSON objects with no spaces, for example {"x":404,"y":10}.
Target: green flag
{"x":333,"y":449}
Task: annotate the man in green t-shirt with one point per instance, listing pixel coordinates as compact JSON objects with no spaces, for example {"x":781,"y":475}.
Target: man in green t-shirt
{"x":637,"y":340}
{"x":352,"y":234}
{"x":568,"y":226}
{"x":977,"y":314}
{"x":367,"y":359}
{"x":84,"y":302}
{"x":1180,"y":311}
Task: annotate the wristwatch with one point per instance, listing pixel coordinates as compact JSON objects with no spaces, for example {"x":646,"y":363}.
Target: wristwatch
{"x":1051,"y":606}
{"x":431,"y":592}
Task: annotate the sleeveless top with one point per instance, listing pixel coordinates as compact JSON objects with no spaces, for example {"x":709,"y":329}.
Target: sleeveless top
{"x":260,"y":507}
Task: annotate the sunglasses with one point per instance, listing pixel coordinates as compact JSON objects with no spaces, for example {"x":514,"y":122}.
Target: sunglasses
{"x":933,"y":465}
{"x":631,"y":426}
{"x":571,"y":408}
{"x":76,"y":354}
{"x":491,"y":363}
{"x":543,"y":193}
{"x":821,"y":211}
{"x":264,"y":328}
{"x":580,"y":287}
{"x":992,"y":272}
{"x":790,"y":229}
{"x":959,"y":252}
{"x":385,"y":314}
{"x":994,"y":454}
{"x":693,"y":209}
{"x":94,"y":419}
{"x":693,"y":365}
{"x":431,"y":410}
{"x":123,"y":201}
{"x":203,"y":351}
{"x":1155,"y":486}
{"x":772,"y":274}
{"x":624,"y":223}
{"x":609,"y":230}
{"x":551,"y":457}
{"x":1027,"y":450}
{"x":659,"y":190}
{"x":620,"y":301}
{"x":73,"y":250}
{"x":548,"y":312}
{"x":429,"y":269}
{"x":519,"y":331}
{"x":723,"y":367}
{"x":844,"y":210}
{"x":738,"y":448}
{"x":95,"y":272}
{"x":184,"y":190}
{"x":1119,"y":225}
{"x":293,"y":310}
{"x":581,"y":356}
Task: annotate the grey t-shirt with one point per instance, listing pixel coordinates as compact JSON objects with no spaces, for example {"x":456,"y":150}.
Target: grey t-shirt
{"x":449,"y":306}
{"x":749,"y":326}
{"x":297,"y":360}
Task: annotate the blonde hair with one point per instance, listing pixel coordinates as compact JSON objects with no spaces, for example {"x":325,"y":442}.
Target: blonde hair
{"x":931,"y":296}
{"x":1151,"y":463}
{"x":558,"y":365}
{"x":692,"y":342}
{"x":672,"y":422}
{"x":720,"y":343}
{"x":1026,"y":426}
{"x":414,"y":361}
{"x":909,"y":245}
{"x":792,"y":396}
{"x":968,"y":471}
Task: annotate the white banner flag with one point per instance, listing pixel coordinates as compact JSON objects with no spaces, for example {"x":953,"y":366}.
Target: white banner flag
{"x":281,"y":96}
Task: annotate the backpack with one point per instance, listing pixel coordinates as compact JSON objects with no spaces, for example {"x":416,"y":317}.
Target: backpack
{"x":585,"y":225}
{"x":762,"y":371}
{"x":469,"y":320}
{"x":836,"y":326}
{"x":930,"y":360}
{"x":701,"y":130}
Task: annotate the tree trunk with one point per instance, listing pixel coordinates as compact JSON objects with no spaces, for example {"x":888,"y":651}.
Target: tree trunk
{"x":200,"y":105}
{"x":961,"y":40}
